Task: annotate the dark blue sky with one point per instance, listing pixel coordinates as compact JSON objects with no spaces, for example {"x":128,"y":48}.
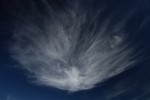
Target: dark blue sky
{"x":133,"y":84}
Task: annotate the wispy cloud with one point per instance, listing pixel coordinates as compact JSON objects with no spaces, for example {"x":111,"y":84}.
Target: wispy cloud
{"x":10,"y":97}
{"x":135,"y":86}
{"x":68,"y":51}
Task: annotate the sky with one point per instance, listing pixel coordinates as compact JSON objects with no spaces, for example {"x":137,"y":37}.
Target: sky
{"x":74,"y":50}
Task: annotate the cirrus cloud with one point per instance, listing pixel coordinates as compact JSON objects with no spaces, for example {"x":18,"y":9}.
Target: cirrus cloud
{"x":66,"y":50}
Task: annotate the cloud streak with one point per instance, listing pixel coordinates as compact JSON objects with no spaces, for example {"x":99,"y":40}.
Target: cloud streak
{"x":66,"y":50}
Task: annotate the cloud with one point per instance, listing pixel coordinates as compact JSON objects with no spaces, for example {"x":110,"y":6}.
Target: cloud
{"x":66,"y":50}
{"x":10,"y":97}
{"x":134,"y":86}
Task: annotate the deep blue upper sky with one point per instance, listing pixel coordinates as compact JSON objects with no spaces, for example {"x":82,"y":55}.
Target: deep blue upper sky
{"x":133,"y":84}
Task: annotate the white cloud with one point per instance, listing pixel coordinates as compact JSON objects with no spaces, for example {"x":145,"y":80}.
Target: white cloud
{"x":57,"y":55}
